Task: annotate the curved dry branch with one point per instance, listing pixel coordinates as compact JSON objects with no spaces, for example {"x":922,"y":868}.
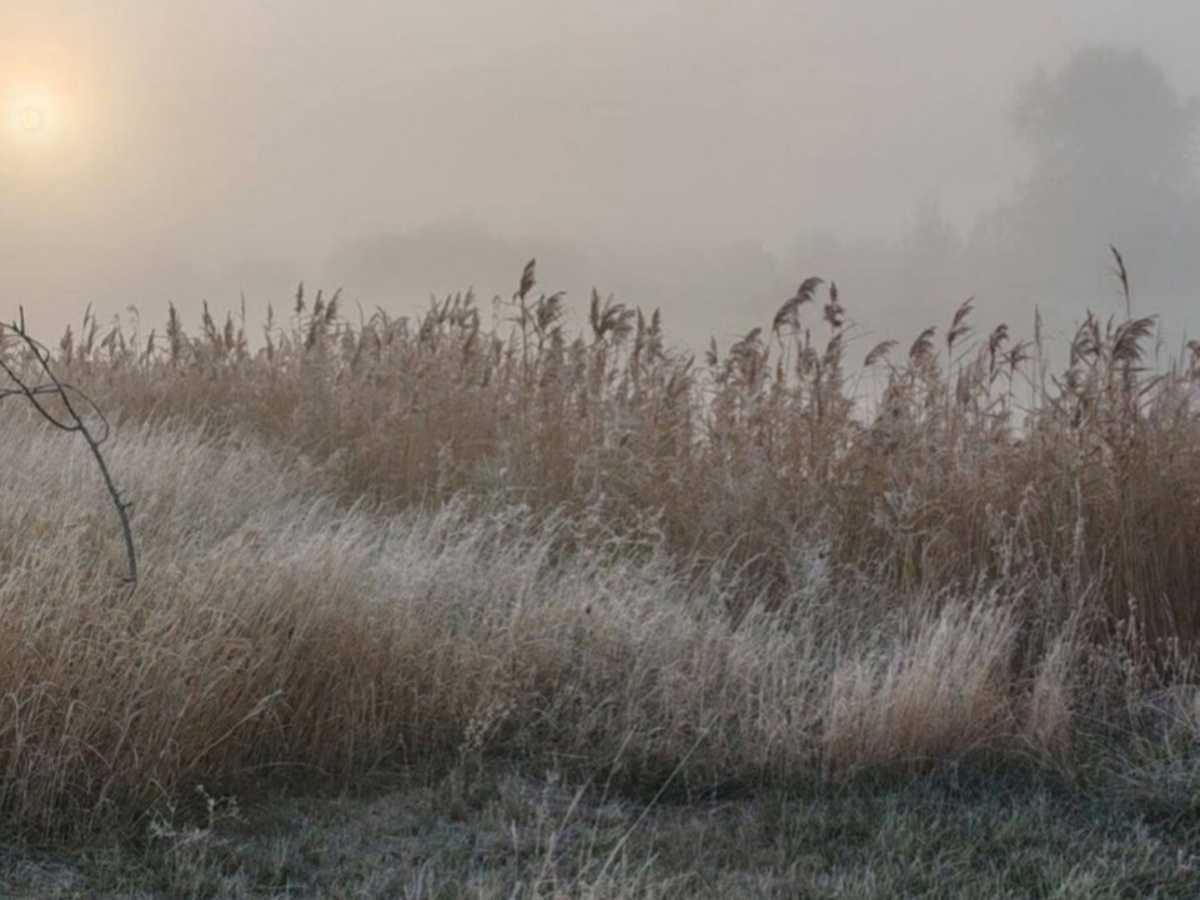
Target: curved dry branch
{"x":72,"y":421}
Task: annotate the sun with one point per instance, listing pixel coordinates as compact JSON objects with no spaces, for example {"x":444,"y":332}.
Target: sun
{"x":32,"y":114}
{"x":32,"y":118}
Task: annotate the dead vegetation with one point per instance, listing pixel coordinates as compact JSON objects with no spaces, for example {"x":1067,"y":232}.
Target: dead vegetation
{"x":973,"y":462}
{"x":64,"y":407}
{"x":403,"y":540}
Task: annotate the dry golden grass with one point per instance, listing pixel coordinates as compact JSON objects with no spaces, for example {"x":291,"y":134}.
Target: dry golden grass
{"x":977,"y":464}
{"x":277,"y":634}
{"x":417,"y":540}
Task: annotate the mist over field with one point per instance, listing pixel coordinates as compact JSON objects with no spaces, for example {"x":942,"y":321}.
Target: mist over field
{"x":700,"y":157}
{"x":311,"y":587}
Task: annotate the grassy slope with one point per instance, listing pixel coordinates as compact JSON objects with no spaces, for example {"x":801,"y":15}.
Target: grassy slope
{"x":280,"y":638}
{"x":784,"y":651}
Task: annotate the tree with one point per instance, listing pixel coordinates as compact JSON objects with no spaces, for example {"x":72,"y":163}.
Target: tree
{"x":1109,"y":114}
{"x":1111,"y":145}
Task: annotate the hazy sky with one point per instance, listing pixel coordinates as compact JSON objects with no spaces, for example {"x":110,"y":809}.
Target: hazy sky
{"x":153,"y":143}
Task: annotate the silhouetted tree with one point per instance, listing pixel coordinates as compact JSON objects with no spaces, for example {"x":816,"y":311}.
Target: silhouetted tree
{"x":1109,"y":114}
{"x":1112,"y":163}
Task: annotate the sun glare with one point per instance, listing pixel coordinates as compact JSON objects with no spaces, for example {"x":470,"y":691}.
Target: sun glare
{"x":48,"y":122}
{"x":33,"y":118}
{"x":32,"y":115}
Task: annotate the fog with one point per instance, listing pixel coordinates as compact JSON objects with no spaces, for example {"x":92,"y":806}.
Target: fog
{"x":699,"y":156}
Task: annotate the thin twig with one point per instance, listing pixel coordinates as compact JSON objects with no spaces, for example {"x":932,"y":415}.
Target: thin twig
{"x":73,"y":421}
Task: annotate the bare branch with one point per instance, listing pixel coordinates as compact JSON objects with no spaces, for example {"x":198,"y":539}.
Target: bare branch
{"x":72,"y":421}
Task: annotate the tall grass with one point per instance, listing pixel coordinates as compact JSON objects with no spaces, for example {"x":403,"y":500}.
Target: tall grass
{"x":977,"y":464}
{"x":412,"y":539}
{"x":276,"y":635}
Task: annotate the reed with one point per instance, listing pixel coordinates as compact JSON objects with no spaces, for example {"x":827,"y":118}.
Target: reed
{"x":972,"y":460}
{"x":366,"y":544}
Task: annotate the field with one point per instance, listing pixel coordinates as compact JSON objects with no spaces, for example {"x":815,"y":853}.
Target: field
{"x":467,"y":605}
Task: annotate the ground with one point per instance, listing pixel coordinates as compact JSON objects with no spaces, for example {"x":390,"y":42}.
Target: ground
{"x":493,"y":830}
